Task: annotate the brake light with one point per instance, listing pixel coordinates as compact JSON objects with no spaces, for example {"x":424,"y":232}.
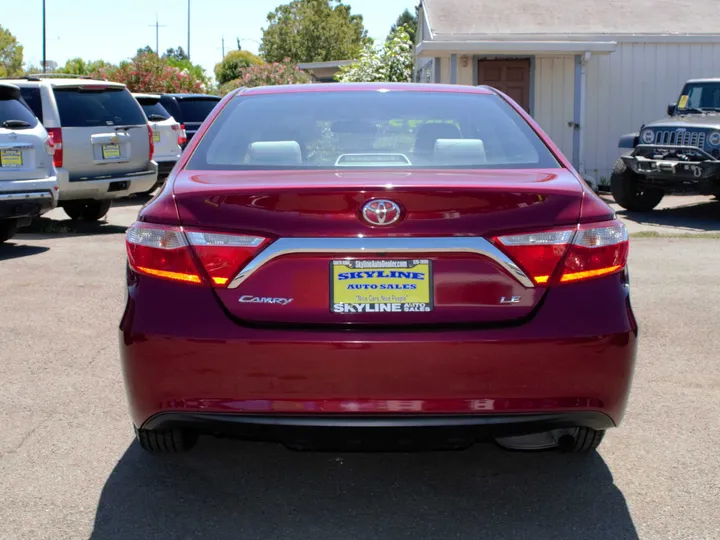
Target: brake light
{"x":173,"y":253}
{"x":57,"y":143}
{"x":182,"y":135}
{"x":151,"y":140}
{"x":560,"y":256}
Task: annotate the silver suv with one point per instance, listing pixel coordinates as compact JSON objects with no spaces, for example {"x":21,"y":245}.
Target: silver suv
{"x":28,"y":184}
{"x":103,"y":143}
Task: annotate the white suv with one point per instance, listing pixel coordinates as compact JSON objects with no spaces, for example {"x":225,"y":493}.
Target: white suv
{"x":168,"y":135}
{"x":103,"y":143}
{"x":28,"y":184}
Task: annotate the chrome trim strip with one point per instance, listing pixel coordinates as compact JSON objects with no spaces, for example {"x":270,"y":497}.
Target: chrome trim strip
{"x":23,"y":196}
{"x":395,"y":246}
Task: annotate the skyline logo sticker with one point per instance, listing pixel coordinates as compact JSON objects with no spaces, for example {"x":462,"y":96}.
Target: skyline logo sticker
{"x":377,"y":286}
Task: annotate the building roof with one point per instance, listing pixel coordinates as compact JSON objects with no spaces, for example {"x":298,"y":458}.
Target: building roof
{"x":470,"y":19}
{"x":323,"y":65}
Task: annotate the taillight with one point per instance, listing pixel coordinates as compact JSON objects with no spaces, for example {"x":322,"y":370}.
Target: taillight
{"x":584,"y":252}
{"x":57,"y":143}
{"x":151,"y":140}
{"x":173,"y":253}
{"x":182,"y":135}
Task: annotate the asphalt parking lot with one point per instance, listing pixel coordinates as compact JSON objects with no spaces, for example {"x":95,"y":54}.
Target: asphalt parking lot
{"x":69,"y":468}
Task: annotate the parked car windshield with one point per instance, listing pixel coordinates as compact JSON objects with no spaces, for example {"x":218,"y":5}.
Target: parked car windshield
{"x":407,"y":129}
{"x":700,"y":96}
{"x":88,"y":107}
{"x":196,"y":110}
{"x":12,"y":109}
{"x":154,"y":109}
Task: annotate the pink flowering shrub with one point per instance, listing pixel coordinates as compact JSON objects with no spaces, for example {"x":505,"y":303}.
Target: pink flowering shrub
{"x":149,"y":73}
{"x":267,"y":75}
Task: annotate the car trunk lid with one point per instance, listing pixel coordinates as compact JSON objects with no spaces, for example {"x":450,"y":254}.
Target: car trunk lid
{"x":326,"y":265}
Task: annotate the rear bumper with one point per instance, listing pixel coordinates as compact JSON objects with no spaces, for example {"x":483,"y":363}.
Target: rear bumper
{"x":309,"y":430}
{"x":184,"y":359}
{"x":27,"y":198}
{"x":106,"y":187}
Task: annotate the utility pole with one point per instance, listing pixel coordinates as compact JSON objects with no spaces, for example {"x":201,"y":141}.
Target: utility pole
{"x":223,"y":46}
{"x":188,"y":47}
{"x":44,"y":61}
{"x":157,"y":26}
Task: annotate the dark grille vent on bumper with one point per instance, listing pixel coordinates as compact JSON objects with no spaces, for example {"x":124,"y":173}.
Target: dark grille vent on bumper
{"x":681,"y":138}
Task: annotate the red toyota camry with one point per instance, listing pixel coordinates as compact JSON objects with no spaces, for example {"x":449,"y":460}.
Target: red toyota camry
{"x":376,"y":265}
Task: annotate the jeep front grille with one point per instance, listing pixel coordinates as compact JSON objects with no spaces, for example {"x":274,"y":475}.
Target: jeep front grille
{"x":681,"y":138}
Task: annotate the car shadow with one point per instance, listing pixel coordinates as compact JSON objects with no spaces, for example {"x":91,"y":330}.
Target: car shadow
{"x":12,"y":250}
{"x":229,"y":490}
{"x":691,"y":217}
{"x":45,"y":228}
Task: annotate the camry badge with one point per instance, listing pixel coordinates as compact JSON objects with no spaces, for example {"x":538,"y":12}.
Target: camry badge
{"x":381,"y":212}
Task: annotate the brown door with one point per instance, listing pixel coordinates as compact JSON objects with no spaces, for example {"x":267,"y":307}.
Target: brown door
{"x":509,"y":76}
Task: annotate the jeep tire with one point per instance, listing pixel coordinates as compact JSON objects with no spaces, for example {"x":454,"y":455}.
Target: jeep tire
{"x":626,"y":192}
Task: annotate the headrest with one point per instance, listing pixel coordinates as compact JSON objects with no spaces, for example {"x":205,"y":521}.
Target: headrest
{"x":429,"y":133}
{"x":465,"y":151}
{"x":275,"y":153}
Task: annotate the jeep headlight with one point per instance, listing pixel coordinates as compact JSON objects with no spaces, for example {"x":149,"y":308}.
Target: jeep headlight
{"x":647,"y":136}
{"x":714,"y":138}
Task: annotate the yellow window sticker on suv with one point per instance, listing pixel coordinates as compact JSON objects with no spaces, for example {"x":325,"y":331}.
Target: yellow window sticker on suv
{"x":683,"y":102}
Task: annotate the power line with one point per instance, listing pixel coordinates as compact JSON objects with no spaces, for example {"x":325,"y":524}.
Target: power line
{"x":157,"y":26}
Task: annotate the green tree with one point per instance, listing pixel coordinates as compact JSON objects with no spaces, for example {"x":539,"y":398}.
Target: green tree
{"x":11,"y":54}
{"x":147,"y":49}
{"x":78,"y":66}
{"x":313,"y":31}
{"x":177,"y":54}
{"x":409,"y":21}
{"x":393,"y":62}
{"x":233,"y":64}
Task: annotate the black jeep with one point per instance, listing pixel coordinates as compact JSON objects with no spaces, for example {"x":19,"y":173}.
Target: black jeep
{"x":679,"y":154}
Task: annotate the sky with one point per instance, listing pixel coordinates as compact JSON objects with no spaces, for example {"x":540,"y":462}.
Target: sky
{"x":113,"y":31}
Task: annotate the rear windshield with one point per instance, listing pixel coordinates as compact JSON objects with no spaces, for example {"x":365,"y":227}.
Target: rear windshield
{"x":89,"y":108}
{"x":33,"y":99}
{"x":154,"y":109}
{"x":12,"y":109}
{"x":324,"y":130}
{"x":196,"y":110}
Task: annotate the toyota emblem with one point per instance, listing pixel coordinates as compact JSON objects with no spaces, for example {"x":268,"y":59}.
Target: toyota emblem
{"x":381,"y":212}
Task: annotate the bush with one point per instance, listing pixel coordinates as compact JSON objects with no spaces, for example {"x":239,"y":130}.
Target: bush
{"x":267,"y":75}
{"x":232,"y":65}
{"x":393,"y":62}
{"x":149,"y":73}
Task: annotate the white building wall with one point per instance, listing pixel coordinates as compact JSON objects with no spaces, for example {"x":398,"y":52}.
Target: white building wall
{"x":553,"y":105}
{"x":633,"y":85}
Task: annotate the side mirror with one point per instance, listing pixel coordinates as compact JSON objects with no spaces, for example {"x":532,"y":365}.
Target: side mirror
{"x":671,"y":109}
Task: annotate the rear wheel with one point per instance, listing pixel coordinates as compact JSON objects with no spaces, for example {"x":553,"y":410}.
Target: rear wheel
{"x":8,"y":228}
{"x":579,"y":440}
{"x":626,"y":192}
{"x":88,"y":210}
{"x":170,"y":441}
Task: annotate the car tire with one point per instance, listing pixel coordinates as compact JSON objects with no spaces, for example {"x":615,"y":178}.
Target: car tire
{"x":586,"y":440}
{"x":8,"y":228}
{"x":625,"y":191}
{"x":86,"y":210}
{"x":170,"y":441}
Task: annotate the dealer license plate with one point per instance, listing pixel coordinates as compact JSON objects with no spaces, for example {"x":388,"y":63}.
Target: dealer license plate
{"x":156,"y":136}
{"x":391,"y":286}
{"x":11,"y":158}
{"x":111,"y":151}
